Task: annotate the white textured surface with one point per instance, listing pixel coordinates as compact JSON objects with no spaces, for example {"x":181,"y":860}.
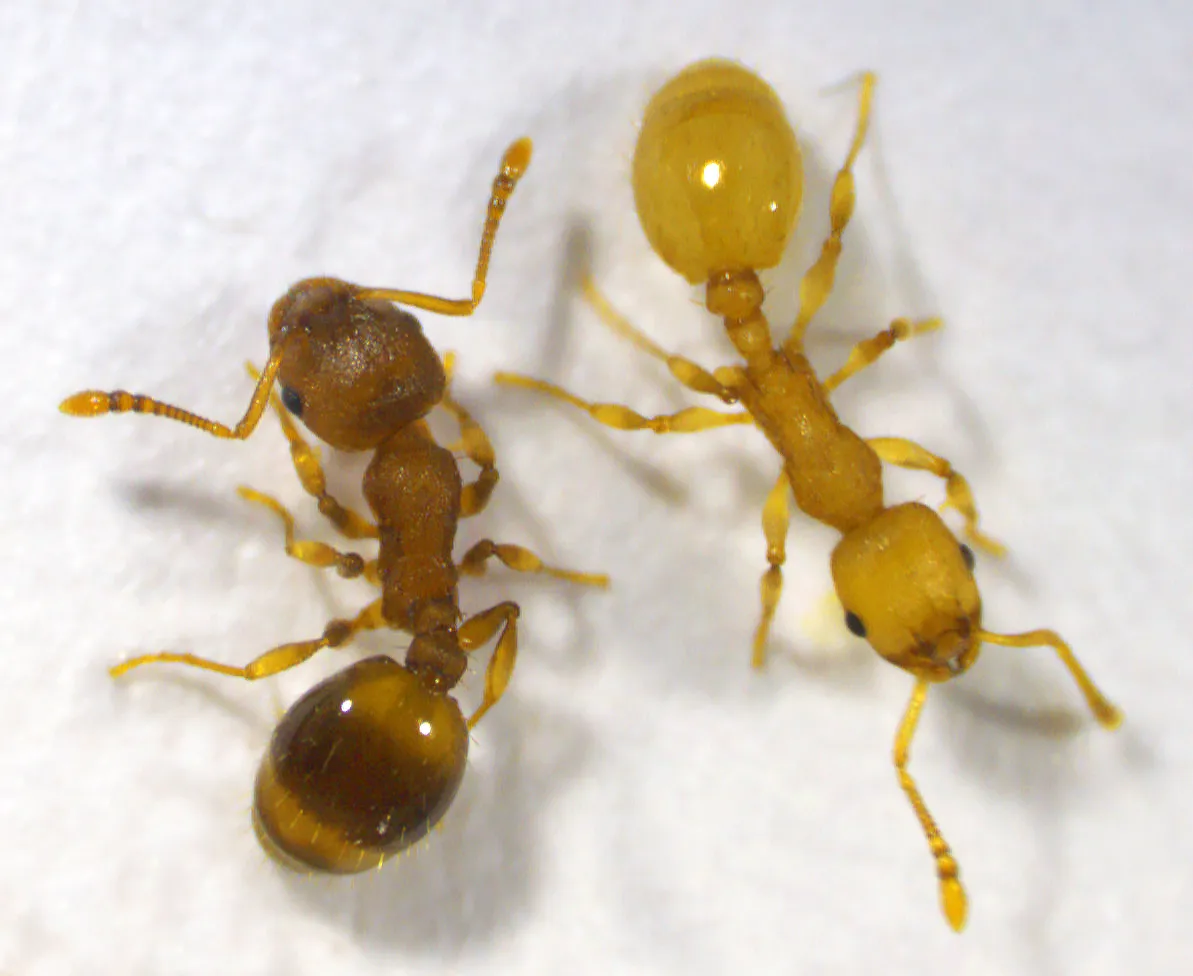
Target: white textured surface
{"x":641,"y":802}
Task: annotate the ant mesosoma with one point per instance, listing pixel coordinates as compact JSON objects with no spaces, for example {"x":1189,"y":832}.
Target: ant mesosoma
{"x":366,"y":762}
{"x":717,"y":180}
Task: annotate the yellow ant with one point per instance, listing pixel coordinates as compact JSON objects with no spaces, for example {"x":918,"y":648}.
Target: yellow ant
{"x":368,"y":761}
{"x":717,"y":180}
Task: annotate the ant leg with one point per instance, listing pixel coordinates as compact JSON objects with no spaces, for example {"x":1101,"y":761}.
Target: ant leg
{"x":513,"y":165}
{"x":348,"y":564}
{"x":688,"y":421}
{"x":818,"y":281}
{"x":281,"y":658}
{"x":907,"y":454}
{"x":477,"y":447}
{"x":478,"y":630}
{"x":776,"y":515}
{"x":310,"y":474}
{"x":691,"y":375}
{"x":869,"y":350}
{"x":1104,"y":711}
{"x":952,"y":894}
{"x":521,"y":560}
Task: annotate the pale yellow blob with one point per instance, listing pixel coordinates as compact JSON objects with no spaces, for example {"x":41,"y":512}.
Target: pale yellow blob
{"x":718,"y":178}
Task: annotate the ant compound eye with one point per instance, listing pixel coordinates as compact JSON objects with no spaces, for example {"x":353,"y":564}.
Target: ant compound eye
{"x":967,"y":555}
{"x":292,"y":401}
{"x":854,"y":623}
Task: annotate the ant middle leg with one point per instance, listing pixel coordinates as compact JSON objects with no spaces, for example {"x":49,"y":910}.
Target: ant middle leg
{"x":690,"y":374}
{"x":478,"y":630}
{"x":349,"y":565}
{"x":869,"y":350}
{"x":907,"y":454}
{"x":776,"y":515}
{"x":688,"y":421}
{"x":336,"y":634}
{"x":952,"y":894}
{"x":521,"y":560}
{"x":817,"y":283}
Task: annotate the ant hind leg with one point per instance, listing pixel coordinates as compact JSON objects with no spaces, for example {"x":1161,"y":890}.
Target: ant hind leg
{"x":478,"y":630}
{"x":690,"y":374}
{"x":817,"y":284}
{"x":336,"y":634}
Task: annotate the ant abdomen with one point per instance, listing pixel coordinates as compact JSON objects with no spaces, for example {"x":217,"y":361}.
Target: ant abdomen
{"x":718,"y":178}
{"x":359,"y":768}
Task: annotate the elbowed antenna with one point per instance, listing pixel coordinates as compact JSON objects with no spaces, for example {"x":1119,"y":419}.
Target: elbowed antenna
{"x":1105,"y":711}
{"x":95,"y":403}
{"x":514,"y":164}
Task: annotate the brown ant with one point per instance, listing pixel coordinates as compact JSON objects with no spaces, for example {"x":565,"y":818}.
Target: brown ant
{"x":717,"y":179}
{"x":366,"y":762}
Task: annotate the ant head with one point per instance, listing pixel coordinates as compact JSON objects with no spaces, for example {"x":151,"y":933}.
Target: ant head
{"x":360,"y":767}
{"x":907,"y":586}
{"x":354,"y":370}
{"x":718,"y":178}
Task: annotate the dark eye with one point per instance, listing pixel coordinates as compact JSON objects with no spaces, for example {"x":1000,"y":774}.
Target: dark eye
{"x":854,"y":623}
{"x":292,"y":401}
{"x":967,"y":555}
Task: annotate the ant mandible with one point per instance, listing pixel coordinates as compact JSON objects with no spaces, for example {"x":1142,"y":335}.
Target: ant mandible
{"x":366,"y":762}
{"x":717,"y":180}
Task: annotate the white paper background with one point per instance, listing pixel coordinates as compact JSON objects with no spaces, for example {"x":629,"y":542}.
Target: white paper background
{"x":641,"y":801}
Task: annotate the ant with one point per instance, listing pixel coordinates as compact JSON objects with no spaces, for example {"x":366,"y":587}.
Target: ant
{"x":717,"y":180}
{"x":366,"y":762}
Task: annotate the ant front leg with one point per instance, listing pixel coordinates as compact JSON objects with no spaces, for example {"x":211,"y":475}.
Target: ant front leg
{"x":348,"y":564}
{"x":477,"y":631}
{"x":310,"y":474}
{"x":817,"y":284}
{"x":522,"y":560}
{"x":869,"y":350}
{"x":477,"y":447}
{"x":688,"y":421}
{"x":336,"y":634}
{"x":691,"y":375}
{"x":776,"y":516}
{"x":907,"y":454}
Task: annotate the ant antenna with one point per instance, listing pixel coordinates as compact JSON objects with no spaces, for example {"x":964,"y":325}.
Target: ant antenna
{"x":513,"y":166}
{"x":95,"y":403}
